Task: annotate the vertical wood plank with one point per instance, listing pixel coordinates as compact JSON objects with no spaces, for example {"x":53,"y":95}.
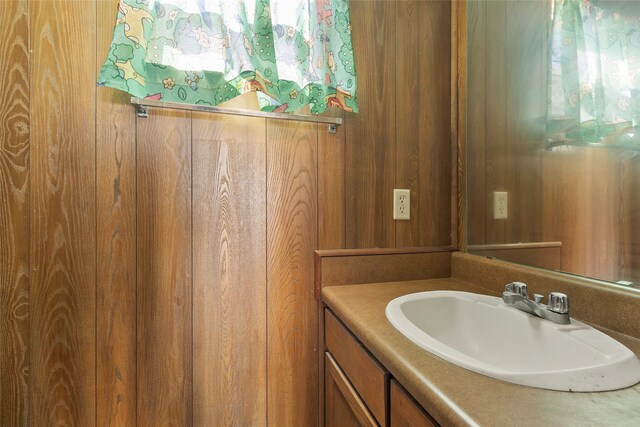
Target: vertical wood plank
{"x":14,"y":214}
{"x":229,"y":277}
{"x":331,"y":215}
{"x":63,"y":218}
{"x":370,"y":144}
{"x":459,"y":120}
{"x":551,"y":184}
{"x":495,"y":115}
{"x":435,"y":166}
{"x":603,"y":215}
{"x":331,"y":189}
{"x":630,"y":222}
{"x":164,"y":269}
{"x":571,"y":211}
{"x":116,"y":240}
{"x":292,"y":317}
{"x":423,"y":127}
{"x":476,"y":146}
{"x":408,"y":91}
{"x":526,"y":41}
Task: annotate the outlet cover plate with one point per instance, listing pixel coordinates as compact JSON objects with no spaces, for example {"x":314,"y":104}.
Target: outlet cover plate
{"x":401,"y":204}
{"x":500,"y":205}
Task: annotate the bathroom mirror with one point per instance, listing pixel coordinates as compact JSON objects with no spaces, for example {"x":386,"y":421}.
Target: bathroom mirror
{"x":553,"y":136}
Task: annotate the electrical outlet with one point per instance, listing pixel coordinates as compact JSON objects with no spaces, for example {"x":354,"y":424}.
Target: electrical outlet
{"x":401,"y":204}
{"x":500,"y":205}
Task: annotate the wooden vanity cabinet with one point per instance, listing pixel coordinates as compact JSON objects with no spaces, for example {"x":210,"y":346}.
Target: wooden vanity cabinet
{"x":343,"y":405}
{"x":359,"y":391}
{"x":368,"y":378}
{"x":405,"y":411}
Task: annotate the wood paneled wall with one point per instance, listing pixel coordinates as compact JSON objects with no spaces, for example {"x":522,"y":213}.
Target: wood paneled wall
{"x":230,"y":211}
{"x":160,"y":270}
{"x":582,"y":197}
{"x":630,"y":219}
{"x":62,"y":297}
{"x":14,"y":213}
{"x":402,"y":137}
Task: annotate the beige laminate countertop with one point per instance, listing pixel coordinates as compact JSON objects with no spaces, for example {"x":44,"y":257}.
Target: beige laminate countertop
{"x":456,"y":396}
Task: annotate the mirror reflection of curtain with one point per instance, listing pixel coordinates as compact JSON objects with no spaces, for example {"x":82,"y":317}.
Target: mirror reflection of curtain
{"x":594,"y":71}
{"x":292,"y":53}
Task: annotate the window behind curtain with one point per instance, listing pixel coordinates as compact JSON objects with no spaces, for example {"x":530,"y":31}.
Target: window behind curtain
{"x":292,"y":53}
{"x":594,"y":71}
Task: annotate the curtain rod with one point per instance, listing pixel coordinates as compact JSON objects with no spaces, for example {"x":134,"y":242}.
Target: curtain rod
{"x":140,"y":104}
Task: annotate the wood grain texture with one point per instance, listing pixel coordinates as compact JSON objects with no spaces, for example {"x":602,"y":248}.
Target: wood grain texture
{"x":423,"y":126}
{"x":292,"y":320}
{"x":435,"y":129}
{"x":63,"y":214}
{"x":569,"y":194}
{"x":229,"y":276}
{"x":458,"y":125}
{"x":331,"y":189}
{"x":475,"y":111}
{"x":495,"y":115}
{"x":603,"y":215}
{"x":630,"y":217}
{"x":116,"y":239}
{"x":405,"y":411}
{"x":116,"y":243}
{"x":344,"y":406}
{"x":550,"y":189}
{"x":164,"y":270}
{"x":368,"y":376}
{"x":331,"y":217}
{"x":370,"y":144}
{"x":14,"y":214}
{"x":571,"y":212}
{"x":410,"y":90}
{"x":527,"y":59}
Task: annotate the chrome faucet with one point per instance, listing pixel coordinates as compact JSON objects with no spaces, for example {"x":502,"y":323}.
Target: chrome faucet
{"x":556,"y":310}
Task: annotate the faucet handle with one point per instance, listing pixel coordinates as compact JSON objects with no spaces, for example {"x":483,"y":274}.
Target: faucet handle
{"x":517,"y":288}
{"x":558,"y":303}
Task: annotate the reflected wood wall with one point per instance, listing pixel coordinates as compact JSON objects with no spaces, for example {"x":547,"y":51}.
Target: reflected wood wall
{"x":160,"y":270}
{"x":582,"y":197}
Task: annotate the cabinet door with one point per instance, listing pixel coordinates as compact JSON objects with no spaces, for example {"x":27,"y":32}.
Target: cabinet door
{"x":343,"y":407}
{"x":405,"y":411}
{"x":365,"y":373}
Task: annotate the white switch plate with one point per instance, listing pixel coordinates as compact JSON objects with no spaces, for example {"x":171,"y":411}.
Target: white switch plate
{"x":401,"y":204}
{"x":500,"y":205}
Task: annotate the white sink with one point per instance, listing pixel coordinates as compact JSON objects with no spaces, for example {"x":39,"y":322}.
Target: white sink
{"x":481,"y":333}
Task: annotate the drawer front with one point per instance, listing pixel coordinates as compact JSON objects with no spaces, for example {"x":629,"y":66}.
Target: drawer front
{"x":343,"y":405}
{"x":368,"y":377}
{"x":405,"y":411}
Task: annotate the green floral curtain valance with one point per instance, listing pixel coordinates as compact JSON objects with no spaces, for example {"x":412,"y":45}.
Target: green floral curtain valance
{"x":594,"y":71}
{"x":293,"y":53}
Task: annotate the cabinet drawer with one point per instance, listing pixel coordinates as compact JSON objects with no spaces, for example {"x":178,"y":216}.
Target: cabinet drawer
{"x":368,"y":377}
{"x":343,"y":406}
{"x":405,"y":411}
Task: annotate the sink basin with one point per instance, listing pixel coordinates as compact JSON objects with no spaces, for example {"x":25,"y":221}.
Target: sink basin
{"x":481,"y":333}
